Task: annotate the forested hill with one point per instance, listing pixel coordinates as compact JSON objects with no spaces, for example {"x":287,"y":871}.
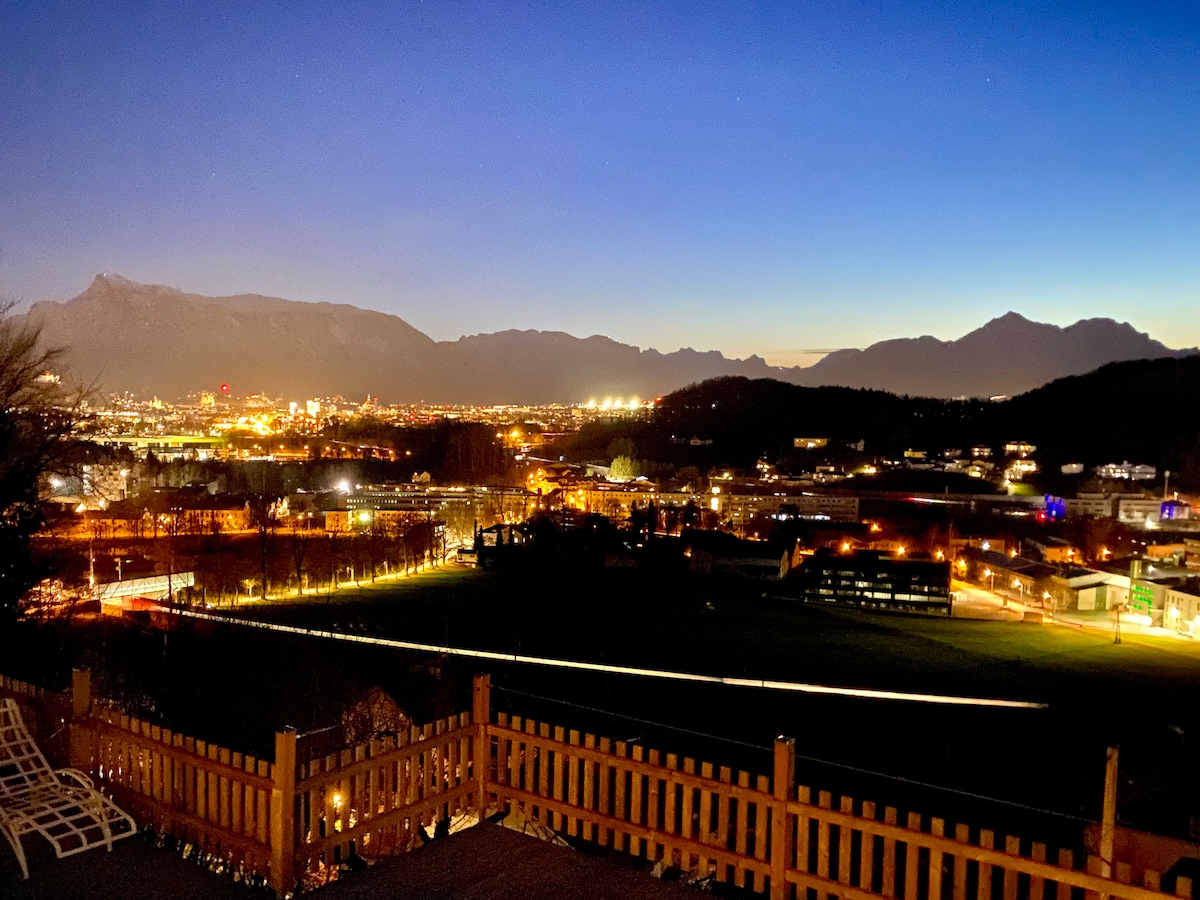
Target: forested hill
{"x":1143,"y":411}
{"x":747,"y":418}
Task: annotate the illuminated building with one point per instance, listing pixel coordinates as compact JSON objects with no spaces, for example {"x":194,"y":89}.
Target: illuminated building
{"x":1127,"y":472}
{"x":872,"y":579}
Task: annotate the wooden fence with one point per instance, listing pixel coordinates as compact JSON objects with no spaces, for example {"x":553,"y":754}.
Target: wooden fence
{"x":47,"y":713}
{"x":369,"y":800}
{"x":219,"y":800}
{"x":771,"y":836}
{"x":290,"y":819}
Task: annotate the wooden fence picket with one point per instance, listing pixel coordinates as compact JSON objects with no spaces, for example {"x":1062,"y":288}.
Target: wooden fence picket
{"x":283,"y":818}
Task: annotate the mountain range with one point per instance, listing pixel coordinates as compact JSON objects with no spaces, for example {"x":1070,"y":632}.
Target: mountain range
{"x":125,"y":336}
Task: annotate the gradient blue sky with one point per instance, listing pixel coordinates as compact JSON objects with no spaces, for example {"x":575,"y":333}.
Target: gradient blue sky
{"x":751,"y":177}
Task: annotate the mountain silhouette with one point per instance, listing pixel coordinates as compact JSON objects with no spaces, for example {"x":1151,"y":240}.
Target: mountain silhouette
{"x":1009,"y":355}
{"x":151,"y":339}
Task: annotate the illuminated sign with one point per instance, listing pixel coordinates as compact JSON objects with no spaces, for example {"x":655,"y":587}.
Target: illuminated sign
{"x":1141,"y":597}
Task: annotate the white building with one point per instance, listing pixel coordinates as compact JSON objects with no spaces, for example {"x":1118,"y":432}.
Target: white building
{"x":1138,"y":510}
{"x":1099,"y":506}
{"x":1127,"y":471}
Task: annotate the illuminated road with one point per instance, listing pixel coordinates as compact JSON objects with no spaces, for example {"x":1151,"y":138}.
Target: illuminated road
{"x":973,"y":602}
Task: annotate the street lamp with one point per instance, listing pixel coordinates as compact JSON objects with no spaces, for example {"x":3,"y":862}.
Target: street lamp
{"x":1020,"y":586}
{"x":991,"y":576}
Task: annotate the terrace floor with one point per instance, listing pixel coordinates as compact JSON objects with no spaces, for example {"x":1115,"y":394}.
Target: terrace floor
{"x":487,"y":862}
{"x":134,"y":870}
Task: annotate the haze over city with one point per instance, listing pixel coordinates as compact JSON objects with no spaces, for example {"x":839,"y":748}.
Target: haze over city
{"x":778,"y":179}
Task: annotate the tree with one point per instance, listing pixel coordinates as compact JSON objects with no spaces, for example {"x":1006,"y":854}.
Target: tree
{"x":299,"y":528}
{"x":263,"y":516}
{"x":37,"y":418}
{"x":624,"y":469}
{"x":689,"y":478}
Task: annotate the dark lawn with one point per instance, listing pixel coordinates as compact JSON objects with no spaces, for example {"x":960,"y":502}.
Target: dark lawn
{"x":237,"y":685}
{"x":729,"y":628}
{"x":1143,"y":694}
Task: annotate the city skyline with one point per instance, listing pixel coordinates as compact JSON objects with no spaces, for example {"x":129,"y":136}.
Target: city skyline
{"x":766,"y":180}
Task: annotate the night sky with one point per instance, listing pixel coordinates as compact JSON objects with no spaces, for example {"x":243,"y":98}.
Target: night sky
{"x":749,"y":177}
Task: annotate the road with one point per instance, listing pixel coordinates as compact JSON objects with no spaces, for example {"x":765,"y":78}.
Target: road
{"x":971,"y":602}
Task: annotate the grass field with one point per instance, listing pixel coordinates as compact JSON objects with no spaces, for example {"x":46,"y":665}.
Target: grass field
{"x":729,"y":628}
{"x":1143,"y":694}
{"x":237,"y":685}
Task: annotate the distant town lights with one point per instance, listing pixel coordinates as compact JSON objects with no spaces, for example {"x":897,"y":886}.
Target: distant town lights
{"x":616,"y":403}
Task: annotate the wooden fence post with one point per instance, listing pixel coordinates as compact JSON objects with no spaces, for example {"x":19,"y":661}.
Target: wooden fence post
{"x":481,"y":716}
{"x":1108,"y":816}
{"x":782,"y":847}
{"x":80,"y":746}
{"x":283,"y":806}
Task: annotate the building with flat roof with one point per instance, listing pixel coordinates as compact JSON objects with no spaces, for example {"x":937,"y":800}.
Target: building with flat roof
{"x":870,"y":578}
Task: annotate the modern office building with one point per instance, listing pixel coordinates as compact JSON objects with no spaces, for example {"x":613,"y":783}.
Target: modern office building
{"x":873,"y":579}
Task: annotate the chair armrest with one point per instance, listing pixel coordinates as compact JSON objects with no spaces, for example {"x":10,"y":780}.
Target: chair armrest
{"x":78,"y":776}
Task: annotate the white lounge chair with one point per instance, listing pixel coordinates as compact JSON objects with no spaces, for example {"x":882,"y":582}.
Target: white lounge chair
{"x":71,"y":814}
